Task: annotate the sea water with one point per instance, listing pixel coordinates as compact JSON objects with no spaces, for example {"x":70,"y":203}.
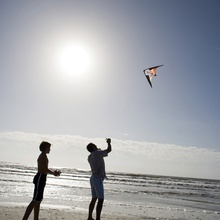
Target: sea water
{"x":124,"y":192}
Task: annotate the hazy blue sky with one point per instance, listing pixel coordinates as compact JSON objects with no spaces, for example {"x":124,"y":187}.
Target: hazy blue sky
{"x":171,"y":129}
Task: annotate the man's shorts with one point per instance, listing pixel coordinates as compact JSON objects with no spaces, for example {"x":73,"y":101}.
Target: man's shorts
{"x":39,"y":182}
{"x":97,"y":188}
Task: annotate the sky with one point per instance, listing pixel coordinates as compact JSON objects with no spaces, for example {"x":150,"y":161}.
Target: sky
{"x":71,"y":72}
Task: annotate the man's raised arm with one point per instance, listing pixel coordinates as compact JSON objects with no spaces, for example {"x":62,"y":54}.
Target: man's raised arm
{"x":109,"y":149}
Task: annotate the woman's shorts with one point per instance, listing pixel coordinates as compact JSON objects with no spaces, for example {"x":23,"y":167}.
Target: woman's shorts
{"x":39,"y":182}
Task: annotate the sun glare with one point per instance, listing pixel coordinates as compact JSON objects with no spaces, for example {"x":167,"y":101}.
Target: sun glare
{"x":75,"y":60}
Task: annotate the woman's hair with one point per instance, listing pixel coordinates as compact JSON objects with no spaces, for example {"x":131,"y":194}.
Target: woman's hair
{"x":90,"y":147}
{"x":44,"y":145}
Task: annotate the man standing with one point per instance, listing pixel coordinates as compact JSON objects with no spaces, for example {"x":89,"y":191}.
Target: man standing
{"x":97,"y":164}
{"x":40,"y":180}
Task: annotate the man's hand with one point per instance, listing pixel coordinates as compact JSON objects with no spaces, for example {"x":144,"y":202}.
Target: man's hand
{"x":57,"y":173}
{"x":109,"y":148}
{"x":108,"y":140}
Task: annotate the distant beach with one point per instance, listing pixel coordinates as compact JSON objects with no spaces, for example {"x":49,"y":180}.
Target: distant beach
{"x":128,"y":196}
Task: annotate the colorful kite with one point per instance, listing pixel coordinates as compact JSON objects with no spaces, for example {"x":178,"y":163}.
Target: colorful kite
{"x":150,"y":73}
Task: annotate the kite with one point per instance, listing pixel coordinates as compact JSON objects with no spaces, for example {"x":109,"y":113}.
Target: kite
{"x":150,"y":73}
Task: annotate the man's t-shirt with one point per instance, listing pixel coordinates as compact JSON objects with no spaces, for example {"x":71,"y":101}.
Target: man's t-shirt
{"x":97,"y":163}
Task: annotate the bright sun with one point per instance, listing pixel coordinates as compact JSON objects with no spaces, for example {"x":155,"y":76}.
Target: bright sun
{"x":75,"y":60}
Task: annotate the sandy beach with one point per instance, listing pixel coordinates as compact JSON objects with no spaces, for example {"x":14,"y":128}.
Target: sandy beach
{"x":10,"y":212}
{"x":15,"y":212}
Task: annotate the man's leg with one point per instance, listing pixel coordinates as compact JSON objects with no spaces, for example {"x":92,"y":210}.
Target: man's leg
{"x":99,"y":209}
{"x":29,"y":210}
{"x":36,"y":211}
{"x":91,"y":208}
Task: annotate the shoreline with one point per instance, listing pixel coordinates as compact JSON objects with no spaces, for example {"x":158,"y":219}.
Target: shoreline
{"x":15,"y":211}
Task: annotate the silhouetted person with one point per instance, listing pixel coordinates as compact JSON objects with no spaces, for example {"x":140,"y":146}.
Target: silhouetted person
{"x":40,"y":181}
{"x":97,"y":164}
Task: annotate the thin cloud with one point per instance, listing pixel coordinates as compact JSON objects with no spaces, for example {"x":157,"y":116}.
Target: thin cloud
{"x":127,"y":156}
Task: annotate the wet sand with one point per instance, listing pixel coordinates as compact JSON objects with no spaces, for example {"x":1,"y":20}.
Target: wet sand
{"x":16,"y":212}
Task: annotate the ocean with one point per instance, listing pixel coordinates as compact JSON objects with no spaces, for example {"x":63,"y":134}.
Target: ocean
{"x":125,"y":193}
